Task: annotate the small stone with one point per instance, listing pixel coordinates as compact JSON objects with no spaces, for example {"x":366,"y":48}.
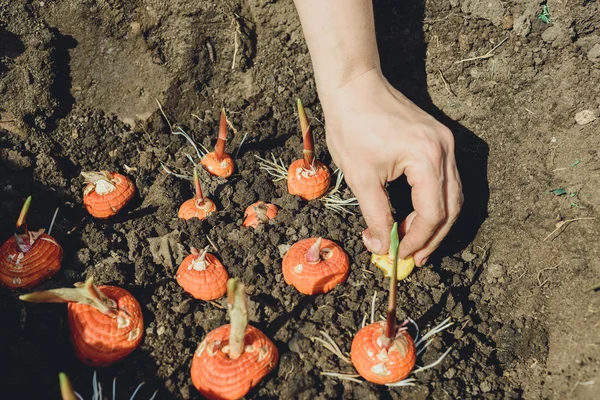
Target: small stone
{"x":485,"y":387}
{"x":586,"y":116}
{"x":449,"y":374}
{"x":594,"y":53}
{"x":507,"y":23}
{"x":551,"y":34}
{"x":468,"y":256}
{"x":283,"y":248}
{"x":182,"y":307}
{"x":495,"y":270}
{"x":522,"y":26}
{"x":160,"y":331}
{"x":475,"y":73}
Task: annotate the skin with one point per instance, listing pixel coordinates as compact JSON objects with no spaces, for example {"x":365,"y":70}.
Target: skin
{"x":375,"y":134}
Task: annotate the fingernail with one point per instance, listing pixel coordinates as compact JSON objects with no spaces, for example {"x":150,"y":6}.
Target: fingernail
{"x":424,"y":261}
{"x":372,"y":243}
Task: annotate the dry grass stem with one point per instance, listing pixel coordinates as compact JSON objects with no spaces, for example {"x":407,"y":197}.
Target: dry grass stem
{"x":563,"y":223}
{"x":539,"y":275}
{"x":446,"y":84}
{"x":489,"y":54}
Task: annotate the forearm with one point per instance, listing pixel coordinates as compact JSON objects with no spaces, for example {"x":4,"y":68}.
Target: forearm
{"x":341,"y":39}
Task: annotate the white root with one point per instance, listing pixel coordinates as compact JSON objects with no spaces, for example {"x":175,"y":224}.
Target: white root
{"x":433,"y":364}
{"x":275,"y":168}
{"x":332,"y":346}
{"x":345,"y":377}
{"x":333,"y":200}
{"x":445,"y":324}
{"x":404,"y":382}
{"x":373,"y":307}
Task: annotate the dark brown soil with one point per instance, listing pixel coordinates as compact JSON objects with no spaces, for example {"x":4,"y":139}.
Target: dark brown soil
{"x":78,"y":83}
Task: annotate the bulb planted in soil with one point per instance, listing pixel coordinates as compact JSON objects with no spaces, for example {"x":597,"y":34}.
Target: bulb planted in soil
{"x":307,"y":177}
{"x":106,"y":193}
{"x":259,"y":213}
{"x":315,"y":266}
{"x":202,"y":275}
{"x":28,"y":258}
{"x":382,"y":352}
{"x":233,"y":358}
{"x":219,"y":163}
{"x":199,"y":207}
{"x":105,"y":322}
{"x":379,"y":360}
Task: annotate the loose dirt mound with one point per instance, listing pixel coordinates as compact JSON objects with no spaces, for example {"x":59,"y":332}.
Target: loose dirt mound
{"x":78,"y":82}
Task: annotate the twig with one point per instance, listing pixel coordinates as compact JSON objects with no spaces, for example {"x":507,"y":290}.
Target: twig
{"x":446,"y":84}
{"x":489,"y":54}
{"x":235,"y":40}
{"x":212,"y":244}
{"x":563,"y":223}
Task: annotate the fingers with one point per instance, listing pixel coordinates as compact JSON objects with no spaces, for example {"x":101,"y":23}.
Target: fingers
{"x":454,"y":201}
{"x":375,"y":208}
{"x":429,"y":224}
{"x":428,"y":202}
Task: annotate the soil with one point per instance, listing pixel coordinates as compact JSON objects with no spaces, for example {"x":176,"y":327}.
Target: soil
{"x":78,"y":83}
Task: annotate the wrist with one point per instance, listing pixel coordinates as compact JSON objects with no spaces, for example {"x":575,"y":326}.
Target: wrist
{"x":359,"y":84}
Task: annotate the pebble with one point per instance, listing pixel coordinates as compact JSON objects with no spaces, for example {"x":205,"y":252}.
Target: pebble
{"x":283,"y":248}
{"x":522,"y":26}
{"x":507,"y":22}
{"x":468,"y":256}
{"x":485,"y":387}
{"x":586,"y":116}
{"x":183,"y":307}
{"x":551,"y":34}
{"x":449,"y":374}
{"x":594,"y":53}
{"x":495,"y":271}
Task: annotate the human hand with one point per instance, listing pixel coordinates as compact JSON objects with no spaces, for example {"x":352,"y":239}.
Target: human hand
{"x":375,"y":134}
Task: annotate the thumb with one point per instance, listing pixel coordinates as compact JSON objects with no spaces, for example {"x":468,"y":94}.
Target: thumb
{"x":375,"y":207}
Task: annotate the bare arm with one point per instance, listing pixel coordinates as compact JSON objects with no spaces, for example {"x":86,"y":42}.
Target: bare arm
{"x":375,"y":134}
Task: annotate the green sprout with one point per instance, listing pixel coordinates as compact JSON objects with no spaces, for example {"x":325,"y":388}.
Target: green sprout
{"x":544,"y":16}
{"x":576,"y":162}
